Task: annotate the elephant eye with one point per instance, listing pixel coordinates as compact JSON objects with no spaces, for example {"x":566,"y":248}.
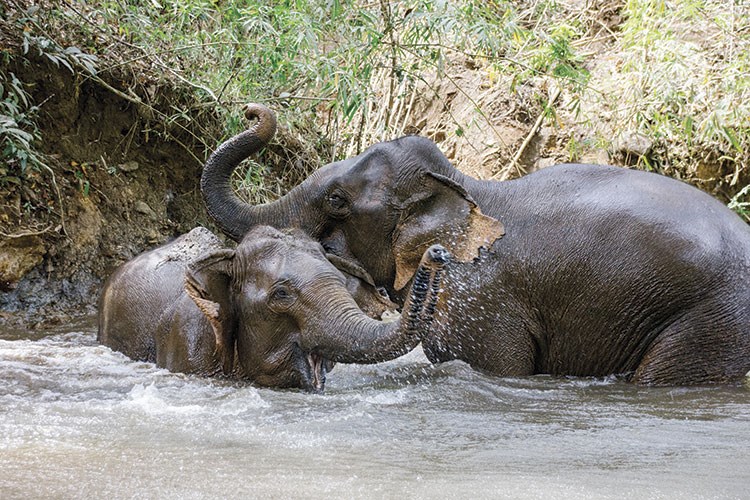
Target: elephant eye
{"x":336,"y":201}
{"x":281,"y":298}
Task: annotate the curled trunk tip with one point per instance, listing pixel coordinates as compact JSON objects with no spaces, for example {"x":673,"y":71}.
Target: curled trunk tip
{"x":357,"y":338}
{"x":232,"y":215}
{"x":266,"y":126}
{"x":420,"y":307}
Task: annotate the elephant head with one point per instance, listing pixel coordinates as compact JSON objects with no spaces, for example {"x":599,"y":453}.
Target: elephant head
{"x":285,"y":310}
{"x":381,"y":209}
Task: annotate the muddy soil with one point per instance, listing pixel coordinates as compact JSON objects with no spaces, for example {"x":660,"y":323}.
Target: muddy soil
{"x":112,"y":191}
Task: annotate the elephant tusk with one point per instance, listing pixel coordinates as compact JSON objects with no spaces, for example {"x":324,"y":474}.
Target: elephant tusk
{"x":389,"y":316}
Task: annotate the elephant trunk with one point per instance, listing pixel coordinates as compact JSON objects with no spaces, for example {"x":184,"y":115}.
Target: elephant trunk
{"x":356,"y":338}
{"x":231,"y":214}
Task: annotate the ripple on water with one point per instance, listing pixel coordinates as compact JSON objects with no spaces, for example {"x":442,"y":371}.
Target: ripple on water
{"x":77,"y":419}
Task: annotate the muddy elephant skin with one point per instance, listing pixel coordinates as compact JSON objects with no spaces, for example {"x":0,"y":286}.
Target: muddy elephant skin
{"x":276,"y":301}
{"x":602,"y":270}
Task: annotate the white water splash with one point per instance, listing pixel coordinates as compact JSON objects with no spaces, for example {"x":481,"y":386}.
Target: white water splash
{"x":80,"y":421}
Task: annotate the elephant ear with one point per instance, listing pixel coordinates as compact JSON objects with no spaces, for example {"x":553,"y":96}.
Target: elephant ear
{"x":207,"y":282}
{"x":441,"y":212}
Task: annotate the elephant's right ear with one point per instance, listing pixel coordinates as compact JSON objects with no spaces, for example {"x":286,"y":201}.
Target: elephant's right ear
{"x":207,"y":282}
{"x":441,"y":211}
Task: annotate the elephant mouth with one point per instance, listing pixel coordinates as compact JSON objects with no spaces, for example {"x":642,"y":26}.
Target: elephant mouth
{"x":319,"y":366}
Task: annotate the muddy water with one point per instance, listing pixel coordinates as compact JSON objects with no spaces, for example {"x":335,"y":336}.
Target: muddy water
{"x":80,"y":421}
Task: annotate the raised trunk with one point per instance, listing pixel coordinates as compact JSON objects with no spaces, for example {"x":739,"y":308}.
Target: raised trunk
{"x":231,"y":214}
{"x":353,"y":337}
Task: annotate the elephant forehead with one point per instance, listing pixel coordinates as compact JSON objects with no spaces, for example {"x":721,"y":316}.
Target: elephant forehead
{"x":305,"y":266}
{"x":370,"y":171}
{"x":281,"y":263}
{"x":269,"y":246}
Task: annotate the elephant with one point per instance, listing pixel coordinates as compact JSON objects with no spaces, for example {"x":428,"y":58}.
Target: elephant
{"x":580,"y":270}
{"x":273,"y":311}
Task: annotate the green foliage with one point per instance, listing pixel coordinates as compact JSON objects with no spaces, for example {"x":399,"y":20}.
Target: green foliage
{"x":679,"y":74}
{"x":684,"y":78}
{"x":58,"y":56}
{"x":70,"y":57}
{"x":18,"y":130}
{"x":307,"y":52}
{"x":738,"y":205}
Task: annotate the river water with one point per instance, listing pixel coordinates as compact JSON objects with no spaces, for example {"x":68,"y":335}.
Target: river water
{"x":78,"y":420}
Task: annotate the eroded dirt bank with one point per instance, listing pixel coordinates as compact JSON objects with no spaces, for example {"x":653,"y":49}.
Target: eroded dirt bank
{"x":118,"y":180}
{"x":112,"y":191}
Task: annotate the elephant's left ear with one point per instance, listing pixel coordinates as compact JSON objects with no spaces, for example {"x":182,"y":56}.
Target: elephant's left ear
{"x":441,"y":212}
{"x":207,"y":283}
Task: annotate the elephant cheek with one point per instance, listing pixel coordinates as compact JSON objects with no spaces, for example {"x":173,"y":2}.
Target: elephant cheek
{"x":362,"y":251}
{"x":335,"y":243}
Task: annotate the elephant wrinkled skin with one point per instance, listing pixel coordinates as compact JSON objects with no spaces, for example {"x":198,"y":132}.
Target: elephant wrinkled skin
{"x":274,"y":310}
{"x":602,"y":270}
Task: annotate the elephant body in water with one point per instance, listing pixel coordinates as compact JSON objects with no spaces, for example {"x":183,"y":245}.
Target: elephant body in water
{"x":274,"y":310}
{"x":602,"y":270}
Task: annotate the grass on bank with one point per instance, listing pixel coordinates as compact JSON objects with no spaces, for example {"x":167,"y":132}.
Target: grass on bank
{"x":673,"y":72}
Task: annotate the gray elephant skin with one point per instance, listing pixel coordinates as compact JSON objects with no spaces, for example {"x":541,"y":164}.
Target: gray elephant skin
{"x":601,"y":270}
{"x":273,"y":311}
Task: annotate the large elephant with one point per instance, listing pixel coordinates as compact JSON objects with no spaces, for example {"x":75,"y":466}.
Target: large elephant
{"x":602,"y":270}
{"x":274,"y":310}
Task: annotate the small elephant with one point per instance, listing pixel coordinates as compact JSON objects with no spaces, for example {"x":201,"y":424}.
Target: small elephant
{"x":274,"y":310}
{"x":602,"y":270}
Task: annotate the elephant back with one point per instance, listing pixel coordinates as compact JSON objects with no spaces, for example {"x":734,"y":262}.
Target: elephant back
{"x":139,"y":291}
